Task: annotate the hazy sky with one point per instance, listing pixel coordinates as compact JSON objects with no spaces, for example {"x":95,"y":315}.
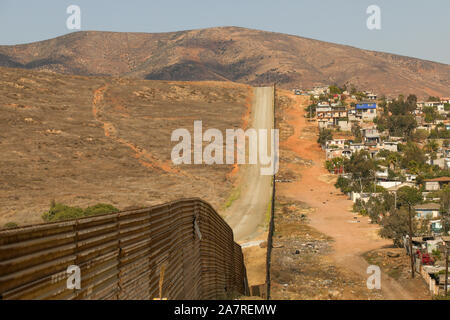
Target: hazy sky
{"x":414,"y":28}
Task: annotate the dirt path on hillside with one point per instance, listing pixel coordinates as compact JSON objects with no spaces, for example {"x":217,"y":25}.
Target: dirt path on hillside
{"x":246,"y":215}
{"x":333,"y":215}
{"x":144,"y":157}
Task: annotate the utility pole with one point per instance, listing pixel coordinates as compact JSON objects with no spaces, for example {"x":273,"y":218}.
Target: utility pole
{"x":410,"y":240}
{"x":395,"y":200}
{"x":374,"y":181}
{"x":446,"y":269}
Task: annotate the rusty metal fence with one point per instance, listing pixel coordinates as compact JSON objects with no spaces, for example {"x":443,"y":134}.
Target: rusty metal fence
{"x":181,"y":250}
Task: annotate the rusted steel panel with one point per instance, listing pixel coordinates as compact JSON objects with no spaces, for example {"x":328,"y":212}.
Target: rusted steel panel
{"x":126,"y":255}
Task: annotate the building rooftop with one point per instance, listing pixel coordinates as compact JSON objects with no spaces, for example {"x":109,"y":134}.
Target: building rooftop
{"x":428,"y":206}
{"x":366,"y":105}
{"x":441,"y":179}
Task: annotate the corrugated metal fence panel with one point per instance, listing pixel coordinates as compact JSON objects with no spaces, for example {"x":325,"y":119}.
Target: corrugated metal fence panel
{"x":125,"y":255}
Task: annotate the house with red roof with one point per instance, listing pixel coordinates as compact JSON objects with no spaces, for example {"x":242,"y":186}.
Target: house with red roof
{"x":436,"y":183}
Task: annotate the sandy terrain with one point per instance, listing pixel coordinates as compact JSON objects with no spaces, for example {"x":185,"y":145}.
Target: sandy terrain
{"x":246,"y":216}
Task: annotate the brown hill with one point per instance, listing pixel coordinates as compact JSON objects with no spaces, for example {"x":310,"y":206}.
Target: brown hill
{"x":84,"y":140}
{"x":229,"y":53}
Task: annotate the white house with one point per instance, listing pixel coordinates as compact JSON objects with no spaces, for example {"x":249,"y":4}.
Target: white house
{"x":427,"y":211}
{"x":436,"y":184}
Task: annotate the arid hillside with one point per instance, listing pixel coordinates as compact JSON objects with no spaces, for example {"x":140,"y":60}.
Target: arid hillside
{"x":84,"y":140}
{"x":230,"y":53}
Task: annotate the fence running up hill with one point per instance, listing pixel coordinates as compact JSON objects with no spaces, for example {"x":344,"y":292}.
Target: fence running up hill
{"x":184,"y":245}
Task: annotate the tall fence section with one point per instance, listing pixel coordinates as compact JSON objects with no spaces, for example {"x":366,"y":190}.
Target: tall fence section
{"x":179,"y":250}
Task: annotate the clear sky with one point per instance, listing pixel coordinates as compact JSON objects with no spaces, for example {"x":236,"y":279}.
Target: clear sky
{"x":414,"y":28}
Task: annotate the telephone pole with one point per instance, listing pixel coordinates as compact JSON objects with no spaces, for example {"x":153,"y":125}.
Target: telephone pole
{"x":446,"y":266}
{"x":410,"y":240}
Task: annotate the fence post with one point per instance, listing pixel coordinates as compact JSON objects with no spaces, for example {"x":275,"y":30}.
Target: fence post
{"x":272,"y":213}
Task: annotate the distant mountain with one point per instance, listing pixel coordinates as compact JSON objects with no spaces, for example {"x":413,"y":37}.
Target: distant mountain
{"x":230,"y":53}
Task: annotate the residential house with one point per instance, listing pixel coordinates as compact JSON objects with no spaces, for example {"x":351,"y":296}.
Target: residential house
{"x":328,"y":116}
{"x":434,"y":104}
{"x":441,"y":162}
{"x":410,"y":177}
{"x":338,"y":153}
{"x":389,"y":145}
{"x":382,"y":173}
{"x":340,"y":143}
{"x":386,"y":183}
{"x":356,"y":147}
{"x":447,"y":125}
{"x":371,"y":136}
{"x":436,"y":183}
{"x":366,"y":111}
{"x":427,"y":211}
{"x":371,"y":96}
{"x":396,"y":187}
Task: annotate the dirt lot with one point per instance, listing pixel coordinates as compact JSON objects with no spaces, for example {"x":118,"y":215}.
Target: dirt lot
{"x":302,"y":268}
{"x":331,"y":215}
{"x":85,"y":140}
{"x":396,"y":264}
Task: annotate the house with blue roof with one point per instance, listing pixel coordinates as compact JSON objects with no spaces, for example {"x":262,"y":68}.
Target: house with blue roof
{"x":366,"y":110}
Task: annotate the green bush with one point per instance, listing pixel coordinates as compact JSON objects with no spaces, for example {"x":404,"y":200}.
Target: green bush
{"x":10,"y":225}
{"x":436,"y":254}
{"x":100,"y":208}
{"x":60,"y":212}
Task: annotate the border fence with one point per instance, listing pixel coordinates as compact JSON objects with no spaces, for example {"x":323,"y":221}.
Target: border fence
{"x":179,"y":250}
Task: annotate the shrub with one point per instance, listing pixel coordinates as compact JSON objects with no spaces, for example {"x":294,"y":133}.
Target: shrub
{"x":10,"y":225}
{"x":60,"y":212}
{"x":436,"y":254}
{"x":100,"y":208}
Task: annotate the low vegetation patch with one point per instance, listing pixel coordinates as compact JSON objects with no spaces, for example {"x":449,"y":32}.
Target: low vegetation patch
{"x":60,"y":212}
{"x":235,"y":194}
{"x":10,"y":225}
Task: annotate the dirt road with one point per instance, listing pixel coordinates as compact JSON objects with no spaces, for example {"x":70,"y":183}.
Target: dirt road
{"x":333,"y":215}
{"x":246,"y":215}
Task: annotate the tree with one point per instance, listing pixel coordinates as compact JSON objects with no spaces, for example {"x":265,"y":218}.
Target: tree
{"x":356,"y":131}
{"x":335,"y":89}
{"x":398,"y":117}
{"x":375,"y":208}
{"x":433,"y":99}
{"x":334,"y":163}
{"x":344,"y":185}
{"x":401,"y":125}
{"x":310,"y":111}
{"x":411,"y":101}
{"x":395,"y":226}
{"x":324,"y":136}
{"x":381,"y":122}
{"x":409,"y":197}
{"x":431,"y":146}
{"x":412,"y":152}
{"x":430,"y":114}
